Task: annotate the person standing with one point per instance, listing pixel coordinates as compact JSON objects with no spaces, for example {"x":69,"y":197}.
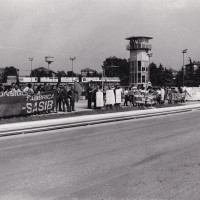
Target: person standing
{"x":162,"y":95}
{"x":131,"y":96}
{"x":72,"y":96}
{"x":94,"y":91}
{"x":17,"y":88}
{"x":65,"y":99}
{"x":28,"y":90}
{"x":169,"y":93}
{"x":89,"y":95}
{"x":126,"y":97}
{"x":58,"y":98}
{"x":158,"y":96}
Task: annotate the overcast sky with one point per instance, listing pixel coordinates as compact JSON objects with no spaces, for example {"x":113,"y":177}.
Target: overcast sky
{"x":92,"y":30}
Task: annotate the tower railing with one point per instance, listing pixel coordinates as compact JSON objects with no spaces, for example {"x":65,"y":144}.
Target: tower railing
{"x":138,"y":46}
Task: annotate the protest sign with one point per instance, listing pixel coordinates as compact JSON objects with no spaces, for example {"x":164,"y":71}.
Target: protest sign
{"x":192,"y":93}
{"x":40,"y":103}
{"x":110,"y":97}
{"x":99,"y":99}
{"x":139,"y":99}
{"x":118,"y":96}
{"x":11,"y":103}
{"x":18,"y":103}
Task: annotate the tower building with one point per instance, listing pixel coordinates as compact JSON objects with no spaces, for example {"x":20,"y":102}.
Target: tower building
{"x":139,"y":59}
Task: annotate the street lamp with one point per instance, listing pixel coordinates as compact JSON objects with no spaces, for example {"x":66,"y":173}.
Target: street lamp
{"x":183,"y":52}
{"x":149,"y":55}
{"x":31,"y":60}
{"x":72,"y":59}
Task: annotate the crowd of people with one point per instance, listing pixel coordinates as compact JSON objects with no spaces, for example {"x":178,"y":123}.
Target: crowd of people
{"x":65,"y":94}
{"x":160,"y":95}
{"x":129,"y":95}
{"x":93,"y":89}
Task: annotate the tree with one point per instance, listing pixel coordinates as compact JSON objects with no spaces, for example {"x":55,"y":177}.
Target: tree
{"x":153,"y":70}
{"x":189,"y":78}
{"x":179,"y":78}
{"x":61,"y":74}
{"x":95,"y":74}
{"x":10,"y":71}
{"x":43,"y":72}
{"x":160,"y":76}
{"x":120,"y":68}
{"x":197,"y":77}
{"x":69,"y":74}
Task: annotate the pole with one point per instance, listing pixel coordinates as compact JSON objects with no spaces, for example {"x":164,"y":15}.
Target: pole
{"x":149,"y":55}
{"x":183,"y":69}
{"x":72,"y":59}
{"x":184,"y":51}
{"x":72,"y":69}
{"x":31,"y":59}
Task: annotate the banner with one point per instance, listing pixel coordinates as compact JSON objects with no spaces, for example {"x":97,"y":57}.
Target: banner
{"x":192,"y":93}
{"x":118,"y":96}
{"x":99,"y":99}
{"x":18,"y":103}
{"x":11,"y":103}
{"x":110,"y":97}
{"x":40,"y":103}
{"x":139,"y":99}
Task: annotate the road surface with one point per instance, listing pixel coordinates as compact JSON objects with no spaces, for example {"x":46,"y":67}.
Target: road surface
{"x":144,"y":159}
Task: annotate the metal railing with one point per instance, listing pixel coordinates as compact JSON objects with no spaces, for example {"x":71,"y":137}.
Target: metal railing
{"x":138,"y":46}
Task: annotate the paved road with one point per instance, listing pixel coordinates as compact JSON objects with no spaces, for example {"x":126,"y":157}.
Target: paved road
{"x":153,"y":158}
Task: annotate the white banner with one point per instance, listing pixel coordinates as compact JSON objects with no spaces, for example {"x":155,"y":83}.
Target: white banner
{"x":118,"y":96}
{"x":110,"y":97}
{"x":69,"y":79}
{"x":99,"y":99}
{"x":192,"y":93}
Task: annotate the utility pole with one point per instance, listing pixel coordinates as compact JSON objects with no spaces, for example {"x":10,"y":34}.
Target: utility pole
{"x":31,"y":60}
{"x":183,"y":52}
{"x":72,"y":59}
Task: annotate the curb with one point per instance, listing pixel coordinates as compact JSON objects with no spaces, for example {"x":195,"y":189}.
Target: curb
{"x":35,"y":129}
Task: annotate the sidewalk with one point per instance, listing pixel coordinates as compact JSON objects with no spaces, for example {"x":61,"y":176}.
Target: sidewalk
{"x":84,"y":120}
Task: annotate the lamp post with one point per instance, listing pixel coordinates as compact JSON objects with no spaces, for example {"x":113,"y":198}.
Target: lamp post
{"x":72,"y":59}
{"x":31,"y":60}
{"x":183,"y":52}
{"x":149,"y":55}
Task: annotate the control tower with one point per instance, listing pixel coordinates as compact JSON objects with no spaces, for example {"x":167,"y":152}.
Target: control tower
{"x":139,"y":60}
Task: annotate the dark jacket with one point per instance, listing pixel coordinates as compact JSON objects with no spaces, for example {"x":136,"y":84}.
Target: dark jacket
{"x":72,"y":94}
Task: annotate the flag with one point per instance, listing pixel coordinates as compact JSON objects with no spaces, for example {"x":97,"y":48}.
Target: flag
{"x":79,"y":88}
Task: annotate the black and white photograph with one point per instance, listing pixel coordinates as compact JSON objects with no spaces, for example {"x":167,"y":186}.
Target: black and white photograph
{"x":99,"y":100}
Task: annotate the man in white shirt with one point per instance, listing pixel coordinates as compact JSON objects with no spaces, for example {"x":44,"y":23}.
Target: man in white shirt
{"x":28,"y":90}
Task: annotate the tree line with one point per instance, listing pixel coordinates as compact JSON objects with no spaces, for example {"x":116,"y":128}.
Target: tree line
{"x":118,"y":67}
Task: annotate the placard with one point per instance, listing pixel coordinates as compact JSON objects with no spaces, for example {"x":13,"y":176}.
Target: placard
{"x":110,"y":97}
{"x":118,"y":96}
{"x":99,"y":99}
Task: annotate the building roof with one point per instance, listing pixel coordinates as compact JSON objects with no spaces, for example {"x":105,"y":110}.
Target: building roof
{"x":87,"y":70}
{"x":193,"y":63}
{"x":138,"y":37}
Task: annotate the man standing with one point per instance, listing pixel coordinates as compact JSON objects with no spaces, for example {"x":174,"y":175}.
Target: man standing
{"x":65,"y":99}
{"x":58,"y":98}
{"x":28,"y":90}
{"x":89,"y":96}
{"x":72,"y":96}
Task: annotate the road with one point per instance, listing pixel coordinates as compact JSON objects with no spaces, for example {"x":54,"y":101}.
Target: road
{"x":143,"y":159}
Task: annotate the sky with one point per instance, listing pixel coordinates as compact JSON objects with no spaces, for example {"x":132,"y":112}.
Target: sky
{"x":93,"y":30}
